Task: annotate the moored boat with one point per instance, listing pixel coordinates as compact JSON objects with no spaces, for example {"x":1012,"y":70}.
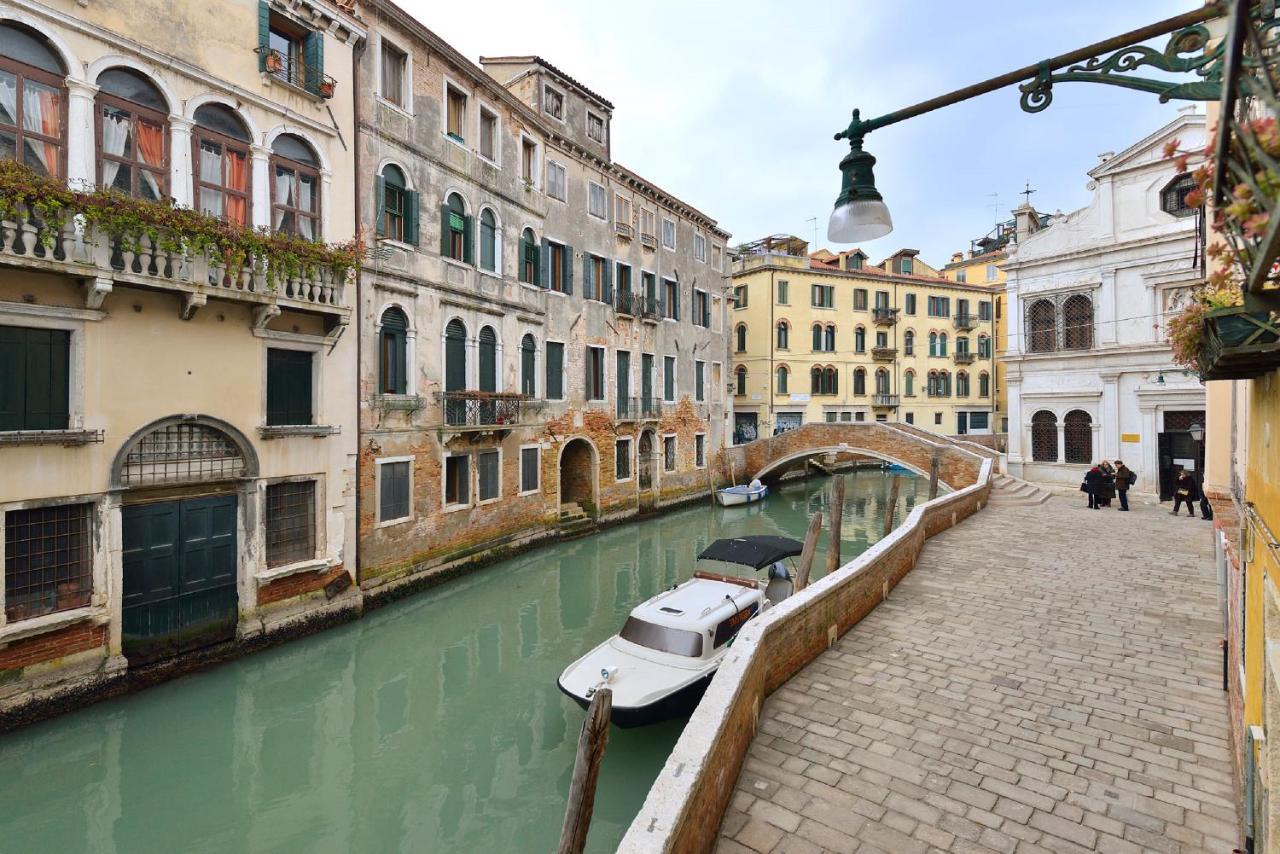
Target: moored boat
{"x":733,"y":496}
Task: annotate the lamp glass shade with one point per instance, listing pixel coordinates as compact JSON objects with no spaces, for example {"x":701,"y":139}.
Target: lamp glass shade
{"x":859,"y":220}
{"x":1196,"y":431}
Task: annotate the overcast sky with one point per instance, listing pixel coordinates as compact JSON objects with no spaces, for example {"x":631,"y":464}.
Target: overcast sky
{"x":731,"y":106}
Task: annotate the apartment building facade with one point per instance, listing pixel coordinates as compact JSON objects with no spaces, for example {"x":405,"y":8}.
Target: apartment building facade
{"x":177,"y":409}
{"x":832,"y":337}
{"x":544,"y":342}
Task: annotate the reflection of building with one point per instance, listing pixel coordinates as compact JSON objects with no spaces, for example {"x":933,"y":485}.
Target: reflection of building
{"x":831,"y":337}
{"x":546,"y":326}
{"x":177,"y":429}
{"x":1090,"y":374}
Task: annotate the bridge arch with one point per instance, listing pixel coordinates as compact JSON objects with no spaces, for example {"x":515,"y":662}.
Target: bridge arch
{"x":783,"y":462}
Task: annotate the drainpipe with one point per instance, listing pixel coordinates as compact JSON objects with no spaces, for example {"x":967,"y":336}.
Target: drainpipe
{"x":358,"y":187}
{"x":773,"y":342}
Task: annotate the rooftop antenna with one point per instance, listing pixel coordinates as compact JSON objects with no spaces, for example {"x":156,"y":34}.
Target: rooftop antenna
{"x":994,"y":204}
{"x":814,"y":220}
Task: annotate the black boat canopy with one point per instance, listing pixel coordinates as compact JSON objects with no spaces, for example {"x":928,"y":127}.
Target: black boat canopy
{"x":756,"y":552}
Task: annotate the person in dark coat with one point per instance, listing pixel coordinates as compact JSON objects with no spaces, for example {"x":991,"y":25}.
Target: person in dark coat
{"x":1107,"y":489}
{"x":1124,"y":480}
{"x":1184,"y":489}
{"x":1092,"y":483}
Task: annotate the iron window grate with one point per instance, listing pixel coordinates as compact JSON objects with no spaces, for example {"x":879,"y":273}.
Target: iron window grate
{"x":182,"y":453}
{"x":48,"y":564}
{"x":291,"y":522}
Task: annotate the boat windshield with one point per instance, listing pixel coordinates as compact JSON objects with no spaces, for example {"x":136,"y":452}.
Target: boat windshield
{"x":662,"y":638}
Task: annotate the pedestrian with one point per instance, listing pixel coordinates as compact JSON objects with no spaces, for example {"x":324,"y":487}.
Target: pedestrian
{"x":1092,"y":482}
{"x":1124,"y":479}
{"x":1184,"y":489}
{"x":1107,"y":488}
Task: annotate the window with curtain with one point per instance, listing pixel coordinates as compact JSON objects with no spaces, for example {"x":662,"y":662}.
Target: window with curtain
{"x":392,"y":373}
{"x":1041,"y":320}
{"x":133,"y":135}
{"x":1077,"y":323}
{"x":530,"y":258}
{"x":1044,"y":437}
{"x":859,"y":340}
{"x":528,"y":366}
{"x":453,"y":237}
{"x":220,"y":145}
{"x":962,"y":384}
{"x":909,"y":343}
{"x":32,"y":101}
{"x":984,"y":347}
{"x":295,"y":188}
{"x":882,"y":381}
{"x":1077,"y":437}
{"x":783,"y":376}
{"x":829,"y":339}
{"x":784,"y":335}
{"x":393,"y":204}
{"x":488,"y":241}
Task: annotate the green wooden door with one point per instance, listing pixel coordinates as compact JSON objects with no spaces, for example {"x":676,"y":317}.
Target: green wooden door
{"x":624,"y":382}
{"x":179,"y":576}
{"x":646,"y":383}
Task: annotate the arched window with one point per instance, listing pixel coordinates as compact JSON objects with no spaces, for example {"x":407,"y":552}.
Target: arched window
{"x":815,"y":380}
{"x":455,"y":230}
{"x":392,"y":373}
{"x":933,"y":343}
{"x":181,"y":450}
{"x":860,"y":340}
{"x":740,"y":338}
{"x":530,"y":258}
{"x":882,"y":381}
{"x":984,"y":347}
{"x":528,"y":366}
{"x":223,"y":180}
{"x":295,"y":188}
{"x":860,"y":381}
{"x":829,"y":339}
{"x":784,"y":335}
{"x":488,"y":241}
{"x":962,"y":384}
{"x":962,"y":344}
{"x":942,"y":344}
{"x":823,"y":380}
{"x":455,"y":356}
{"x":1077,"y":323}
{"x":32,"y":101}
{"x":1041,"y":320}
{"x":944,"y":382}
{"x":909,"y":343}
{"x":783,"y":376}
{"x":488,"y":358}
{"x":830,"y":381}
{"x":984,"y":384}
{"x":817,"y":337}
{"x":741,"y":373}
{"x":909,"y":383}
{"x":1044,"y":437}
{"x":133,"y":135}
{"x":393,"y":204}
{"x":1077,"y":437}
{"x":1173,"y":198}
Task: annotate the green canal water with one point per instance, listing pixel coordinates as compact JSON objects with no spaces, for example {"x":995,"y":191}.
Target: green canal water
{"x":432,"y":725}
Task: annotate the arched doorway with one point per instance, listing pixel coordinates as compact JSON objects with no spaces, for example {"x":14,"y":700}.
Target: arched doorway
{"x":578,"y":475}
{"x":646,"y":459}
{"x":183,"y":481}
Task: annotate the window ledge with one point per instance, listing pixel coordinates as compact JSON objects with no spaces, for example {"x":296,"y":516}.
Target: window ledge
{"x":387,"y":523}
{"x":273,"y":80}
{"x":285,"y":431}
{"x":399,"y":402}
{"x":277,"y":572}
{"x":66,"y":438}
{"x":394,"y":107}
{"x":50,"y":623}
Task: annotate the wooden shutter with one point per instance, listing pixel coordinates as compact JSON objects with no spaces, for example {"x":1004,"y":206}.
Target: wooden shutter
{"x":445,"y":210}
{"x":555,"y":371}
{"x":608,"y":281}
{"x":468,"y":239}
{"x":264,"y":33}
{"x":411,"y":217}
{"x":288,"y":387}
{"x":455,"y":358}
{"x":588,"y":289}
{"x":380,"y":205}
{"x":662,"y":298}
{"x":568,"y":269}
{"x":13,"y":378}
{"x":47,"y":379}
{"x":313,"y":60}
{"x":544,"y":278}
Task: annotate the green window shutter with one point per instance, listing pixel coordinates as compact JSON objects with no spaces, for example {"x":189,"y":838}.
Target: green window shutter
{"x":662,"y":300}
{"x":13,"y":377}
{"x":313,"y":60}
{"x":380,"y":205}
{"x":587,"y":285}
{"x":521,"y":258}
{"x":555,"y":371}
{"x":288,"y":387}
{"x":544,"y":273}
{"x":411,"y":217}
{"x":264,"y":32}
{"x":47,"y":386}
{"x":608,"y":282}
{"x":568,"y":269}
{"x":468,"y":239}
{"x":444,"y":230}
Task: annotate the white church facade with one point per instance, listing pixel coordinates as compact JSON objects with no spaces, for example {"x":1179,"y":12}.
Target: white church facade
{"x":1090,"y":375}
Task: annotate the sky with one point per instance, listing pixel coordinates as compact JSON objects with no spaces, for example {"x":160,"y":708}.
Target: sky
{"x":731,"y":106}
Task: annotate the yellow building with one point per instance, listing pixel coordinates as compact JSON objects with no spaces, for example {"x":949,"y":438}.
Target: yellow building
{"x":831,"y":337}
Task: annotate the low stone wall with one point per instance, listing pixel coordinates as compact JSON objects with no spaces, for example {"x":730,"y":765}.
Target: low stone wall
{"x":683,"y":809}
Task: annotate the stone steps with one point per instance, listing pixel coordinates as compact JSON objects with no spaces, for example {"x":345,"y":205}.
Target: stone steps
{"x":1010,"y":491}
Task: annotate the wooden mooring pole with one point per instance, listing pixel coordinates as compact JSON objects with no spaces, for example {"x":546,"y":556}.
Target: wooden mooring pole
{"x":892,"y":507}
{"x":933,"y":477}
{"x":837,"y":519}
{"x":806,"y":555}
{"x":586,"y":770}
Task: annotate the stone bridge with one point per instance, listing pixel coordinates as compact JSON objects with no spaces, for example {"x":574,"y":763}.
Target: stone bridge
{"x":959,"y":462}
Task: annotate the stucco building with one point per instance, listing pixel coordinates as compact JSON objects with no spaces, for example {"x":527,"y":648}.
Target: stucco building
{"x":1090,"y":372}
{"x":177,"y":427}
{"x":544,"y":338}
{"x":832,"y":337}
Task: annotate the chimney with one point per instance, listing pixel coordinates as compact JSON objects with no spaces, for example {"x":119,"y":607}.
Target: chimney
{"x":957,"y":257}
{"x":1025,"y":220}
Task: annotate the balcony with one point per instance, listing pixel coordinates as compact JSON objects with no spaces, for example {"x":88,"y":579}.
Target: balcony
{"x":963,"y":358}
{"x":639,"y":409}
{"x":471,"y":411}
{"x":145,"y":260}
{"x":292,"y":71}
{"x":884,"y":354}
{"x":885,"y":401}
{"x":884,"y":316}
{"x":623,"y":230}
{"x":628,"y":304}
{"x":648,"y":241}
{"x":965,"y":322}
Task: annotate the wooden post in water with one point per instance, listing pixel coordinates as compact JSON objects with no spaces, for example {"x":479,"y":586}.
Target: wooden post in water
{"x":892,"y":507}
{"x":806,"y":556}
{"x":837,"y":519}
{"x":586,"y":770}
{"x":933,"y":476}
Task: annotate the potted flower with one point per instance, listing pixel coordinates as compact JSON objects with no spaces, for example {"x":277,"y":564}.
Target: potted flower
{"x":274,"y":62}
{"x":326,"y":88}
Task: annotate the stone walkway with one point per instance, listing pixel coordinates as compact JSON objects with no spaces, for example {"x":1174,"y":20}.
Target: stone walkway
{"x":1048,"y":679}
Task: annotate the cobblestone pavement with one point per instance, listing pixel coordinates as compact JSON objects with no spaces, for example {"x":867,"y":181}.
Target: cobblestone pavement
{"x":1047,"y":679}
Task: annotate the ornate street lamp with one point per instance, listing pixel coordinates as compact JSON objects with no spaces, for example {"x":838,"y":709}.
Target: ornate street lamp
{"x":860,"y":212}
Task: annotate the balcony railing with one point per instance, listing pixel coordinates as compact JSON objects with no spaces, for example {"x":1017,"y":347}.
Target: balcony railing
{"x":965,"y":322}
{"x":143,"y":261}
{"x":885,"y":401}
{"x":648,"y":241}
{"x":884,"y":354}
{"x":291,"y":69}
{"x":884,"y":316}
{"x":639,"y":408}
{"x":635,"y":305}
{"x":963,"y":358}
{"x":623,"y":230}
{"x":484,"y":409}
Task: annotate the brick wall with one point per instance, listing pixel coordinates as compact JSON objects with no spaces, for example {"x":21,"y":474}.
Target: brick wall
{"x":46,"y":647}
{"x":296,"y":585}
{"x":682,"y":812}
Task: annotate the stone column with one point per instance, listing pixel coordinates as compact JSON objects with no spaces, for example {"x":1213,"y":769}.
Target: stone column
{"x":260,"y":216}
{"x":1109,"y":417}
{"x":1149,"y":474}
{"x":1062,"y":441}
{"x":1106,"y":310}
{"x":1017,"y":429}
{"x":82,"y":134}
{"x":181,"y":171}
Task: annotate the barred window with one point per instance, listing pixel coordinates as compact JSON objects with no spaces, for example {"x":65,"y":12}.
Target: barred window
{"x":291,"y":522}
{"x":1044,"y":437}
{"x":669,"y":453}
{"x":1041,"y":320}
{"x":1173,"y":198}
{"x":183,"y":453}
{"x":622,"y":459}
{"x":1077,"y":436}
{"x":1077,"y":319}
{"x":48,"y":560}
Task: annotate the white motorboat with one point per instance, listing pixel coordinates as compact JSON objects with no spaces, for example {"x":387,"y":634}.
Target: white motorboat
{"x":661,"y":662}
{"x":732,"y":496}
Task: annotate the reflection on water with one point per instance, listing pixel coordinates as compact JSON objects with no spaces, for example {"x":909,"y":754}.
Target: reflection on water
{"x":432,"y":725}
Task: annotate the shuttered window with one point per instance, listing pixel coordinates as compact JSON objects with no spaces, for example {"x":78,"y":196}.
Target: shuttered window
{"x":489,"y":475}
{"x":393,"y":491}
{"x":288,"y":387}
{"x":457,"y":480}
{"x":34,"y":378}
{"x":699,"y":381}
{"x":529,"y":465}
{"x":669,"y":378}
{"x":555,"y":371}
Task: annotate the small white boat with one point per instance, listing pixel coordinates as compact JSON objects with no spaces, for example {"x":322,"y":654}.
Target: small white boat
{"x":732,"y":496}
{"x":661,"y":662}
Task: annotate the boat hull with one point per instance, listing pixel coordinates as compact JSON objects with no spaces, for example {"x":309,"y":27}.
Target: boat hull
{"x":733,"y":498}
{"x":678,"y":704}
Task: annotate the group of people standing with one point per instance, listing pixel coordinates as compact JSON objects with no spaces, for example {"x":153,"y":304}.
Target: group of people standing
{"x":1104,"y":482}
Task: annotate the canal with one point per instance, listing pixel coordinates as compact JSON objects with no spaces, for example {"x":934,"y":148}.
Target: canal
{"x":433,"y":724}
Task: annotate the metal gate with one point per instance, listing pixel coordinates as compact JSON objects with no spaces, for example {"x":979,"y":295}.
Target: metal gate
{"x":179,"y":576}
